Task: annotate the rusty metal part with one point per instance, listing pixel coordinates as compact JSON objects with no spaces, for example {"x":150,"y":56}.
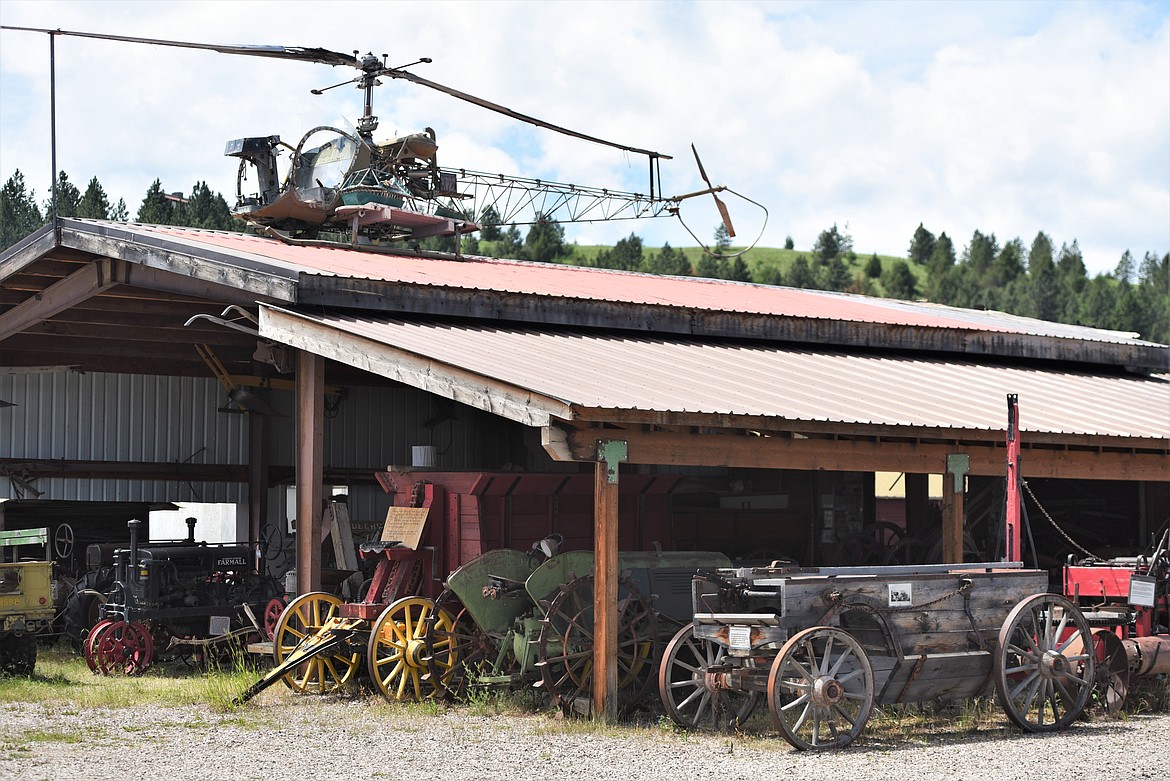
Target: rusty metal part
{"x":458,"y":652}
{"x":1148,"y":655}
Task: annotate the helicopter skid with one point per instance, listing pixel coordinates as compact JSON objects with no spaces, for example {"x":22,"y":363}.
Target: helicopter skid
{"x":419,"y":224}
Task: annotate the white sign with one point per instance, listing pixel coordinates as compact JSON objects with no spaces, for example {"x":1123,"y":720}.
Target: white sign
{"x":1142,"y":590}
{"x":901,"y":594}
{"x":740,"y":637}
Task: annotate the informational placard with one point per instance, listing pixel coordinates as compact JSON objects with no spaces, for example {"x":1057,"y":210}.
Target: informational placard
{"x":405,"y":525}
{"x":740,"y":637}
{"x":901,"y":594}
{"x":1142,"y":590}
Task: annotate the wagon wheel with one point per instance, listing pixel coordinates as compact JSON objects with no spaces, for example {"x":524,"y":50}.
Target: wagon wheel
{"x":397,"y":650}
{"x":682,"y":684}
{"x":123,"y":647}
{"x":872,"y":544}
{"x":820,"y":690}
{"x":458,"y":652}
{"x":1043,"y":673}
{"x":302,"y":619}
{"x":92,"y":640}
{"x":272,"y":612}
{"x":565,"y":644}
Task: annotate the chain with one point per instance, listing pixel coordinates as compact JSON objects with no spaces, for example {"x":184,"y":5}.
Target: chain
{"x":837,"y":599}
{"x":1068,"y":539}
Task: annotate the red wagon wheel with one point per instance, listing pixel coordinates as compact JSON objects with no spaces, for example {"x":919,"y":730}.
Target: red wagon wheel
{"x":272,"y":612}
{"x":92,"y":640}
{"x":125,"y":648}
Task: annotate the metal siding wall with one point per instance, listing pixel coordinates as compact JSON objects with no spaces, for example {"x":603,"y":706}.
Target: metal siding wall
{"x":377,"y":426}
{"x":120,"y":417}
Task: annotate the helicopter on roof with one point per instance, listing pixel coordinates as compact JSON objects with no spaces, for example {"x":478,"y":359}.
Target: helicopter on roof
{"x":344,"y":182}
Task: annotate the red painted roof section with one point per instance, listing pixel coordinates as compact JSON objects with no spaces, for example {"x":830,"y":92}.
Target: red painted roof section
{"x":575,"y":282}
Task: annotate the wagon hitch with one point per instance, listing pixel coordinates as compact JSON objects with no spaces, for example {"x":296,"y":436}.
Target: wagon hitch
{"x":326,"y":641}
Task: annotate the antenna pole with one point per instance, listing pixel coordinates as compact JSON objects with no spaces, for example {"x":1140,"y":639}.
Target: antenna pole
{"x":53,"y":118}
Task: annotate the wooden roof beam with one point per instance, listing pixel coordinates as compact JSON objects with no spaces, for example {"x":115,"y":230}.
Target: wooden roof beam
{"x":73,"y":289}
{"x":678,"y":449}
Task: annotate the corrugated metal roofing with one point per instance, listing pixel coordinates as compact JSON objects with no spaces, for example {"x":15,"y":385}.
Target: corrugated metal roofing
{"x":573,"y":282}
{"x":590,"y":370}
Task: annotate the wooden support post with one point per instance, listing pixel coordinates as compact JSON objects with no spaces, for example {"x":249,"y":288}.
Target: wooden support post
{"x":954,"y":491}
{"x":605,"y":578}
{"x":310,"y":466}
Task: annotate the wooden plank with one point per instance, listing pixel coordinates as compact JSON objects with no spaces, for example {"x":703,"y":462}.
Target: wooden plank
{"x":952,"y":518}
{"x":310,"y":439}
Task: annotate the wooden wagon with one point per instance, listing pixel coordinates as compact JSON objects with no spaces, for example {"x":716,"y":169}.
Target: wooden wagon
{"x":823,"y":646}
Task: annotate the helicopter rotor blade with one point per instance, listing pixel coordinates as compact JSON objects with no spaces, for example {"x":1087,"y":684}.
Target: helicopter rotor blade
{"x":722,"y":207}
{"x":496,"y":107}
{"x":323,"y":56}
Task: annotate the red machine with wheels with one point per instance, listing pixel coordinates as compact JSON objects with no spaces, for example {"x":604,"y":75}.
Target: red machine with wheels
{"x":1127,"y":601}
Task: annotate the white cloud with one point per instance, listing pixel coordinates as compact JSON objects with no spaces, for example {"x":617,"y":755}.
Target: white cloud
{"x":1008,"y":118}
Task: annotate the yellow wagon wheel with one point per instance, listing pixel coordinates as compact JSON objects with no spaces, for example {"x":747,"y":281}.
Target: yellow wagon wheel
{"x":304,"y":623}
{"x":397,"y":653}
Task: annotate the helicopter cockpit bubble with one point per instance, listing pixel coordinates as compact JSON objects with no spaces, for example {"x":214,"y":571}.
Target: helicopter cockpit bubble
{"x":319,"y":171}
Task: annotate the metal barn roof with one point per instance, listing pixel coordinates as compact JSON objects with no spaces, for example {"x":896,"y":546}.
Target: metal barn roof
{"x":532,"y":375}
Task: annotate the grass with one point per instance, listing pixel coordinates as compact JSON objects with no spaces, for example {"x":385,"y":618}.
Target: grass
{"x":62,"y":678}
{"x":63,"y":682}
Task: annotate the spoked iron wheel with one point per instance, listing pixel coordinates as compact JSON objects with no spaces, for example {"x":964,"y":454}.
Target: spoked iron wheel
{"x":458,"y":652}
{"x":565,"y":643}
{"x":397,"y":650}
{"x":123,"y":647}
{"x":1111,"y":679}
{"x":271,"y":618}
{"x":92,"y":640}
{"x":300,"y":623}
{"x":685,"y":690}
{"x":1044,"y":671}
{"x":820,"y":690}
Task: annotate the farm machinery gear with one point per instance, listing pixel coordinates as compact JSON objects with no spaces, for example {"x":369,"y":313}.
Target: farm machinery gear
{"x":170,"y":596}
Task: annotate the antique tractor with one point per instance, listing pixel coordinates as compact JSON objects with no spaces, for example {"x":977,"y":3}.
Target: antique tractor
{"x":174,"y":595}
{"x":26,"y":599}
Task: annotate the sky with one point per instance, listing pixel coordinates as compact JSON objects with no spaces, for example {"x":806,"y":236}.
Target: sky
{"x":1004,"y":117}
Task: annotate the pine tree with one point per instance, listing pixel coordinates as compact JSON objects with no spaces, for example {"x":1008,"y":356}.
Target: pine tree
{"x":873,"y":267}
{"x":788,"y":243}
{"x":800,"y":273}
{"x":489,"y":224}
{"x":722,"y":240}
{"x":68,"y":197}
{"x":94,"y":204}
{"x":545,"y":242}
{"x":19,"y":213}
{"x":921,"y":246}
{"x":899,"y":282}
{"x":156,"y":208}
{"x":667,"y":261}
{"x":626,"y":254}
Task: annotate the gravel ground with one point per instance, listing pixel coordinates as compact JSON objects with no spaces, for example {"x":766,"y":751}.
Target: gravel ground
{"x":313,"y":738}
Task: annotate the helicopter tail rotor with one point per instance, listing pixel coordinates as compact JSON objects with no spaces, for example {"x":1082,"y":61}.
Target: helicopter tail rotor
{"x":714,"y":194}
